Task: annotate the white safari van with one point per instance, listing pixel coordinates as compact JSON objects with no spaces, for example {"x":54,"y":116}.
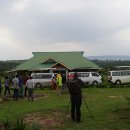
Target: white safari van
{"x":88,"y":77}
{"x":119,"y":76}
{"x":42,"y":79}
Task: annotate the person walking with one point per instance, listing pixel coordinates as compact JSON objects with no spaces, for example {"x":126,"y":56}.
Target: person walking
{"x":59,"y":84}
{"x":16,"y":88}
{"x":7,"y":86}
{"x":30,"y":86}
{"x":74,"y":87}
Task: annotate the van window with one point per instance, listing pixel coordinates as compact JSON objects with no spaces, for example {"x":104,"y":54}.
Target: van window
{"x":128,"y":72}
{"x":116,"y":74}
{"x":95,"y":74}
{"x":46,"y":76}
{"x":83,"y":74}
{"x":122,"y":73}
{"x":42,"y":76}
{"x":37,"y":76}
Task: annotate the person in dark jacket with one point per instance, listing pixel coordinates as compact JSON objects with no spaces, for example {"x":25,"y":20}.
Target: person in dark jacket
{"x":20,"y":86}
{"x":74,"y":87}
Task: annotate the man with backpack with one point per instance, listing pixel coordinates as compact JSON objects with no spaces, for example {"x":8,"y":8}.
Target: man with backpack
{"x":74,"y":87}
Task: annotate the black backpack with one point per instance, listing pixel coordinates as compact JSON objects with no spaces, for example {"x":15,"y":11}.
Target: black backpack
{"x":74,"y":87}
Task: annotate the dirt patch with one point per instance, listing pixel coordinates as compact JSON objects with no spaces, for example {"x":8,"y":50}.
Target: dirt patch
{"x":3,"y":100}
{"x":119,"y":115}
{"x":52,"y":120}
{"x":6,"y":98}
{"x":38,"y":96}
{"x":104,"y":129}
{"x":114,"y":97}
{"x":1,"y":127}
{"x":123,"y":114}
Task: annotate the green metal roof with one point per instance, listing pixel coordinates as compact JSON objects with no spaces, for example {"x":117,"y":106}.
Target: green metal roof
{"x":71,"y":60}
{"x":41,"y":66}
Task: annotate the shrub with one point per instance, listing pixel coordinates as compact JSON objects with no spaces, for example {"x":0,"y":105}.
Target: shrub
{"x":7,"y":124}
{"x":35,"y":127}
{"x":101,"y":86}
{"x":20,"y":124}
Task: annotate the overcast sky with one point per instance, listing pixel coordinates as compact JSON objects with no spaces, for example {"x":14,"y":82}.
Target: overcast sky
{"x":97,"y":27}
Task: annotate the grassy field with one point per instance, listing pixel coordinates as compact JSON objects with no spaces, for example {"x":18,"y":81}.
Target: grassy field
{"x":109,"y":106}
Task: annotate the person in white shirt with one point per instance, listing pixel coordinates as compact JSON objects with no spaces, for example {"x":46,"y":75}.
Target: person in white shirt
{"x":30,"y":86}
{"x":16,"y":87}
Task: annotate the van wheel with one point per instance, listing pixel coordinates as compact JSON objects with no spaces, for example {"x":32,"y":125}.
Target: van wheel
{"x":95,"y":83}
{"x":118,"y":82}
{"x":38,"y":85}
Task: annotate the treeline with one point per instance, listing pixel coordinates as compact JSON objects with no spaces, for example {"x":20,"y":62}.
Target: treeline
{"x":8,"y":65}
{"x":105,"y":64}
{"x":108,"y":65}
{"x":111,"y":64}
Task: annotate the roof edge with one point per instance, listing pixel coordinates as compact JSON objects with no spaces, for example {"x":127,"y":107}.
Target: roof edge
{"x":82,"y":52}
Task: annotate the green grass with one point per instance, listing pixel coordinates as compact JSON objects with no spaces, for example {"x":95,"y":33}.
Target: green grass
{"x":109,"y":107}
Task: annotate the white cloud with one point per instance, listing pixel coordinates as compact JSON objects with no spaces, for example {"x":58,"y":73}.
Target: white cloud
{"x":123,"y":36}
{"x":5,"y":37}
{"x":19,"y":5}
{"x":93,"y":26}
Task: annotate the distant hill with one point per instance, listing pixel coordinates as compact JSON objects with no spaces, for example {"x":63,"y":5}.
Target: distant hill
{"x":109,"y":57}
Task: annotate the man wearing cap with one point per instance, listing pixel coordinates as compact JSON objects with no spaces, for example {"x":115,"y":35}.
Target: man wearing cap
{"x":74,"y":87}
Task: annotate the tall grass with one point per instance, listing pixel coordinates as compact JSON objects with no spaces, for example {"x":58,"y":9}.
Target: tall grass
{"x":7,"y":124}
{"x":18,"y":124}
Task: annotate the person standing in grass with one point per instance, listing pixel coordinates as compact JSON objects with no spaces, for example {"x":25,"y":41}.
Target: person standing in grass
{"x":21,"y":85}
{"x":7,"y":86}
{"x":30,"y":86}
{"x":16,"y":87}
{"x":53,"y":83}
{"x":59,"y":84}
{"x":25,"y":87}
{"x":74,"y":87}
